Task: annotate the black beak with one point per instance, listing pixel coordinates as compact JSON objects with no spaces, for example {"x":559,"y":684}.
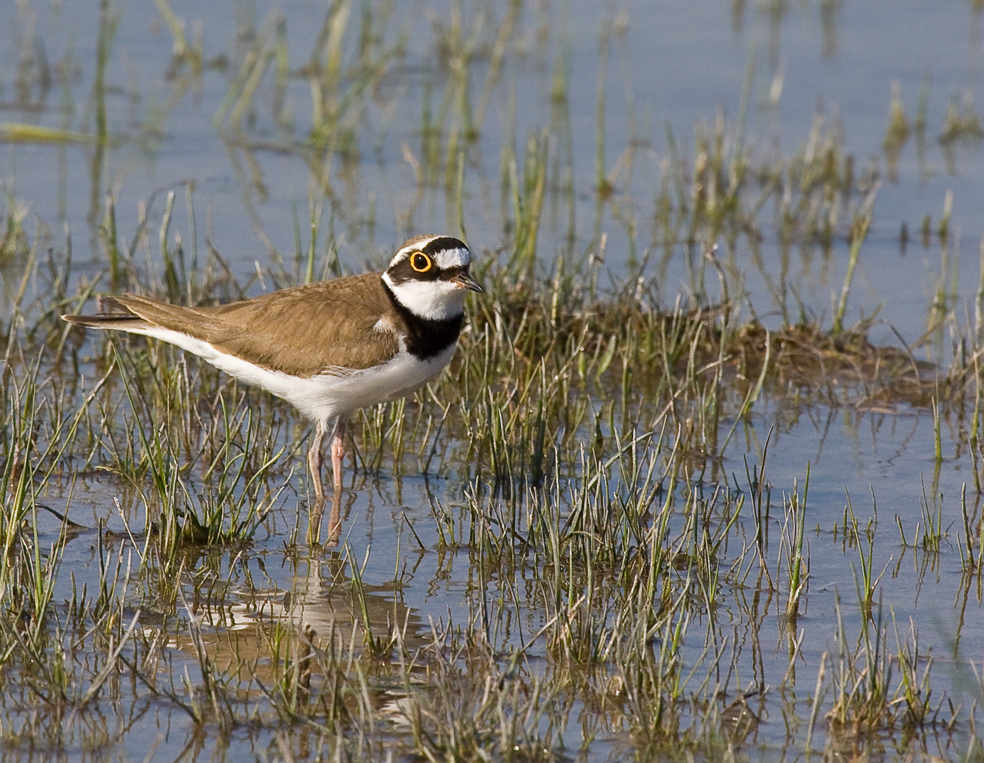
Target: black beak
{"x":465,"y":281}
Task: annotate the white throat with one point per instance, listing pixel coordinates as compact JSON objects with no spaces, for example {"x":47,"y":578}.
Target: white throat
{"x":436,"y":300}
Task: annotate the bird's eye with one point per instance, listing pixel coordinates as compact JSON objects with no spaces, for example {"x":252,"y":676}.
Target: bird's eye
{"x":420,"y":262}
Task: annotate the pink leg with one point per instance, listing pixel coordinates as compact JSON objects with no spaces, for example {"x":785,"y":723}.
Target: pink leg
{"x":338,"y":453}
{"x":314,"y":463}
{"x":315,"y":459}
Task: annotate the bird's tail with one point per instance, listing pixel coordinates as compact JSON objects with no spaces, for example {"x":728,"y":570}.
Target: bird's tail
{"x":113,"y":315}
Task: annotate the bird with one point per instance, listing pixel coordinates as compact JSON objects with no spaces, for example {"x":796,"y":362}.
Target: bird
{"x":330,"y":347}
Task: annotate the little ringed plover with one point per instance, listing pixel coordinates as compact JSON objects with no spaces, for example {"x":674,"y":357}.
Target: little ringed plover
{"x":330,"y":347}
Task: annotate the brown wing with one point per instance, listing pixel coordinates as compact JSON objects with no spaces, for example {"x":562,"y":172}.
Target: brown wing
{"x":304,"y":330}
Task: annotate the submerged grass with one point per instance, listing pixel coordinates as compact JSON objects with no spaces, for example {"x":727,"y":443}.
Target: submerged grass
{"x":581,"y":573}
{"x":586,"y":426}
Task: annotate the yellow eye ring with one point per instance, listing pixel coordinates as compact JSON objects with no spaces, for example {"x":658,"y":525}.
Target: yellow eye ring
{"x":420,"y":262}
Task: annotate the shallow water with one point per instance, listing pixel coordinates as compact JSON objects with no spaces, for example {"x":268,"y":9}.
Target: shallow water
{"x":670,"y":68}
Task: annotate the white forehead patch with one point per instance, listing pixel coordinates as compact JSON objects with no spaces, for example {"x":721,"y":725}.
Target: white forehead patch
{"x":458,"y":257}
